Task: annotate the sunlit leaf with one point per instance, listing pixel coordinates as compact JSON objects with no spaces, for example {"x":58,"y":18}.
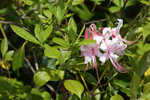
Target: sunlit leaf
{"x":9,"y":55}
{"x":116,"y":97}
{"x":41,"y":78}
{"x":42,"y":34}
{"x":24,"y":34}
{"x":74,"y":87}
{"x":61,"y":42}
{"x":51,"y":52}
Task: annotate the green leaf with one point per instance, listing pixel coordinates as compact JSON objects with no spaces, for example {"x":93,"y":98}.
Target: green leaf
{"x":18,"y":59}
{"x":72,"y":29}
{"x":146,"y":88}
{"x":98,"y":94}
{"x":145,"y":2}
{"x":65,"y":55}
{"x":41,"y":34}
{"x":121,"y":83}
{"x":74,"y":87}
{"x":61,"y":42}
{"x":142,"y":48}
{"x":77,"y":2}
{"x":119,"y":3}
{"x":134,"y":85}
{"x":86,"y":42}
{"x":59,"y":14}
{"x":4,"y":46}
{"x":98,"y":2}
{"x":144,"y":63}
{"x":24,"y":34}
{"x":47,"y":13}
{"x":114,"y":9}
{"x":8,"y":56}
{"x":41,"y":78}
{"x":90,"y":78}
{"x":116,"y":97}
{"x":56,"y":75}
{"x":45,"y":95}
{"x":83,"y":12}
{"x":146,"y":31}
{"x":51,"y":52}
{"x":28,"y":2}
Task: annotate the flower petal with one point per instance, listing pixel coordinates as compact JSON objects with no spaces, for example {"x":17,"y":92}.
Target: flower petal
{"x":117,"y":65}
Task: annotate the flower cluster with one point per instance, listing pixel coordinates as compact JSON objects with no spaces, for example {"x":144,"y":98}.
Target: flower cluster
{"x":109,"y":45}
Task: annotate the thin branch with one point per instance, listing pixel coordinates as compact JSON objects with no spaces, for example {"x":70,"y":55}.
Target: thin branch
{"x":36,"y":62}
{"x":51,"y":88}
{"x":94,"y":21}
{"x":29,"y":64}
{"x":94,"y":6}
{"x":7,"y":22}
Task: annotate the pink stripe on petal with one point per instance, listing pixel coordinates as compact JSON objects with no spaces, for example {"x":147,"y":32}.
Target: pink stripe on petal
{"x":117,"y":65}
{"x":91,"y":36}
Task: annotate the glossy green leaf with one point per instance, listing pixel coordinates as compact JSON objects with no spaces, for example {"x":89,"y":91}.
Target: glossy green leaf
{"x":9,"y":55}
{"x":41,"y":34}
{"x":116,"y":97}
{"x":74,"y":87}
{"x":77,"y":2}
{"x":41,"y":78}
{"x":4,"y":46}
{"x":51,"y":52}
{"x":18,"y":59}
{"x":24,"y":34}
{"x":61,"y":42}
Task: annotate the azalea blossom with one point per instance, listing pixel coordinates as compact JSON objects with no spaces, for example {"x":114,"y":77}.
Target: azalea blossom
{"x":90,"y":51}
{"x":109,"y":41}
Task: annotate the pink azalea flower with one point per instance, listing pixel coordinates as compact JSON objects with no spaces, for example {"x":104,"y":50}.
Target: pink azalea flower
{"x":109,"y":41}
{"x":113,"y":46}
{"x":90,"y":51}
